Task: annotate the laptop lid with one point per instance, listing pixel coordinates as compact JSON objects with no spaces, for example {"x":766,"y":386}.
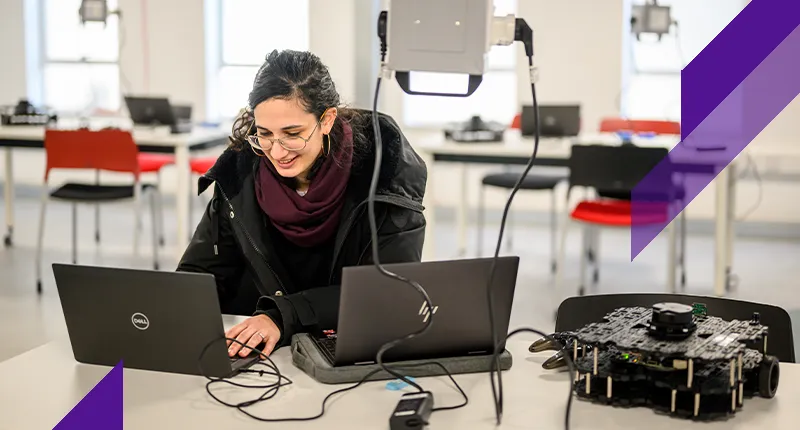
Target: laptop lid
{"x":150,"y":320}
{"x":374,"y":309}
{"x":554,"y":120}
{"x":150,"y":110}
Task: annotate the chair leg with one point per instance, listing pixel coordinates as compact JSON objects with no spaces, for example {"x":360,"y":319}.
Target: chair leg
{"x":671,"y":254}
{"x":74,"y":233}
{"x":562,"y":250}
{"x":40,"y":239}
{"x":97,"y":212}
{"x":586,"y":238}
{"x":154,"y":197}
{"x":160,"y":208}
{"x":596,"y":255}
{"x":682,"y":260}
{"x":553,"y":231}
{"x":137,"y":213}
{"x":479,"y":242}
{"x":510,"y":230}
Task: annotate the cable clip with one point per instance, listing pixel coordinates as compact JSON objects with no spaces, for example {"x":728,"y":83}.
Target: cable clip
{"x":533,"y":74}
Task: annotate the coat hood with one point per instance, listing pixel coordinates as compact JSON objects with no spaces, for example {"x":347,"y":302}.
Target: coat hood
{"x":403,"y":173}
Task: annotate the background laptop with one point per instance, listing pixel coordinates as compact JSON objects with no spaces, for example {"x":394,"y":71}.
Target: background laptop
{"x":555,"y":120}
{"x":374,"y":309}
{"x":154,"y":111}
{"x":151,"y":320}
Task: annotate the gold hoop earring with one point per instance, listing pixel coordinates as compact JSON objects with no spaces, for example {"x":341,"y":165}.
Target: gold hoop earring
{"x":329,"y":146}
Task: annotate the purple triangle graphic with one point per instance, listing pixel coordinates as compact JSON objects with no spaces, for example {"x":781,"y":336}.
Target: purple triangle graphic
{"x":101,"y":408}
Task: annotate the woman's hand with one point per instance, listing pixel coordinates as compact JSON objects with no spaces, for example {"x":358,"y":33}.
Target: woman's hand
{"x":252,"y":332}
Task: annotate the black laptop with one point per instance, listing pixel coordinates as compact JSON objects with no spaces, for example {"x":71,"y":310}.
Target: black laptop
{"x":158,"y":111}
{"x":374,"y":309}
{"x":150,"y":320}
{"x":554,"y":120}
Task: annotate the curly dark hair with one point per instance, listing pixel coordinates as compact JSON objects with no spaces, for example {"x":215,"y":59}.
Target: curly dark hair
{"x":302,"y":76}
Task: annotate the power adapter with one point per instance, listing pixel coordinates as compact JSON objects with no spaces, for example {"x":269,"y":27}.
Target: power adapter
{"x":412,"y":412}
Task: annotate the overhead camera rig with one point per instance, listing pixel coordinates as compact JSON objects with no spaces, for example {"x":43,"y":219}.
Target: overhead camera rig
{"x":445,"y":36}
{"x":673,"y":358}
{"x":651,"y":18}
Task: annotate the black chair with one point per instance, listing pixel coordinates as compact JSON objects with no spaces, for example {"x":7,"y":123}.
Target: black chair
{"x":532,"y":182}
{"x":576,"y":312}
{"x":614,"y":170}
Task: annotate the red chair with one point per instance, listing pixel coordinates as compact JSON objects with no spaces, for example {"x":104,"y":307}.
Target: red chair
{"x":103,"y":150}
{"x":614,"y":125}
{"x":148,"y":163}
{"x":658,"y":127}
{"x":616,"y":169}
{"x":199,"y":166}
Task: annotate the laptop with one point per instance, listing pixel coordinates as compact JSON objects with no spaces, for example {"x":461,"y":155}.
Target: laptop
{"x":554,"y":120}
{"x":150,"y":320}
{"x":374,"y":309}
{"x":157,"y":111}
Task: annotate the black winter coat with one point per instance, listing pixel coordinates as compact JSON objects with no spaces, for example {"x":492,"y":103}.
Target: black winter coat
{"x":229,"y":240}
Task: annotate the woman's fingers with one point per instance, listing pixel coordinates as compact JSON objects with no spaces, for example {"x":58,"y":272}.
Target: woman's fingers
{"x":235,"y":331}
{"x":253,"y":342}
{"x":243,"y":337}
{"x":272,"y":340}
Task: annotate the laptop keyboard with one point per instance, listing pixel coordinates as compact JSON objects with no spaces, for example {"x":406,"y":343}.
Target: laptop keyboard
{"x":328,"y":344}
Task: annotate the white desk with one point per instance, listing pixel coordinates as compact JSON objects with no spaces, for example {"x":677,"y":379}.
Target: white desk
{"x":39,"y":387}
{"x":148,"y":140}
{"x":433,"y":147}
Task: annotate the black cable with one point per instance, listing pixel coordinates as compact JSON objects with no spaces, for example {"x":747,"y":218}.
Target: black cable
{"x":273,"y":388}
{"x":567,"y":358}
{"x":374,"y":238}
{"x":498,"y":396}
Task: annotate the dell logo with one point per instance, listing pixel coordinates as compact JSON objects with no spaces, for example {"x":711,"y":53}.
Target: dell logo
{"x":425,"y":311}
{"x":140,"y":321}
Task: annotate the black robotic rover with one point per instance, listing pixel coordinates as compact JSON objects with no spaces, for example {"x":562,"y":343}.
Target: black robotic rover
{"x":673,"y":358}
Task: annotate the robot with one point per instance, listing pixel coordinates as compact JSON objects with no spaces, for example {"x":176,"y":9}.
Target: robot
{"x":673,"y":358}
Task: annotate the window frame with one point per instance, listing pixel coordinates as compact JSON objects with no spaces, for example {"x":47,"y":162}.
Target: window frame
{"x":45,"y":60}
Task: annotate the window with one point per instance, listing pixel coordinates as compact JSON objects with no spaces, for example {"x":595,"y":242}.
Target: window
{"x":653,"y":87}
{"x":249,"y":30}
{"x":494,"y":100}
{"x":80,"y":71}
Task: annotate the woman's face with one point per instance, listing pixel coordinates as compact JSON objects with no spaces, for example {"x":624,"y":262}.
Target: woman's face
{"x":288,"y":121}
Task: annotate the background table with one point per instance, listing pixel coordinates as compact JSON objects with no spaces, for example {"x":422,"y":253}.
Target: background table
{"x":515,"y":150}
{"x":158,"y":140}
{"x":38,"y":388}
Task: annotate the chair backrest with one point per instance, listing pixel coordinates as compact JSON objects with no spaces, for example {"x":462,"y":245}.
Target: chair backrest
{"x":613,"y":125}
{"x":516,"y":123}
{"x":576,"y":312}
{"x":612,"y":168}
{"x":112,"y":150}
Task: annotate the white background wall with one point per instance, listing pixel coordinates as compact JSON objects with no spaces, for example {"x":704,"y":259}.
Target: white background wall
{"x":578,"y":49}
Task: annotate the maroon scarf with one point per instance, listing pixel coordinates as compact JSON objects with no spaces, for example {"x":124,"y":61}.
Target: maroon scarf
{"x":311,"y":219}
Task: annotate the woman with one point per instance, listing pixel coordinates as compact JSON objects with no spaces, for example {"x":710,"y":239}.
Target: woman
{"x":289,"y":206}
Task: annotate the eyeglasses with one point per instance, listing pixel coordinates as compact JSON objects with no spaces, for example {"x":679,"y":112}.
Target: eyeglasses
{"x":293,"y":142}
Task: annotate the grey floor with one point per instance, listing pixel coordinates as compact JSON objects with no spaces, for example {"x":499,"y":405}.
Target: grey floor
{"x":767,"y":269}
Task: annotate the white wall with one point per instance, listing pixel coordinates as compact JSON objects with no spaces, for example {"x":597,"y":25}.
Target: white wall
{"x":12,"y":52}
{"x":167,"y":55}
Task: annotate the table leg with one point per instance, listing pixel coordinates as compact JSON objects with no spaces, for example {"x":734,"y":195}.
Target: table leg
{"x":9,"y":197}
{"x":182,"y":198}
{"x":731,"y":214}
{"x":429,"y":248}
{"x":721,"y":234}
{"x":463,"y":212}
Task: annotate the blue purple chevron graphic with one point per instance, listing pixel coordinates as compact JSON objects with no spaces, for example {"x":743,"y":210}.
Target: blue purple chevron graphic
{"x":101,"y":408}
{"x":730,"y":92}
